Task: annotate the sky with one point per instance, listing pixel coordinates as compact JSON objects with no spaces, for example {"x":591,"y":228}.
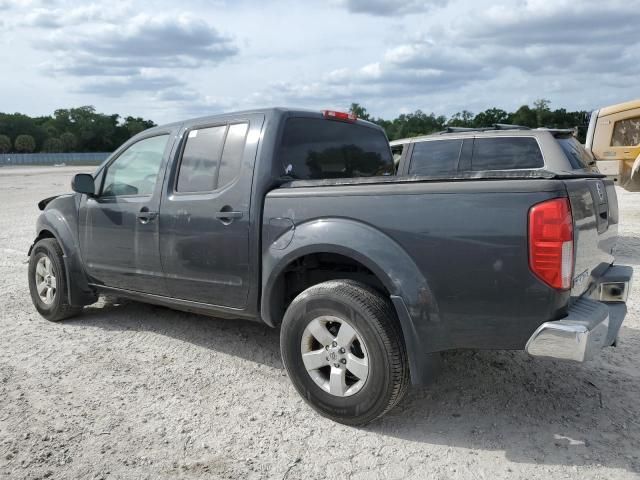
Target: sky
{"x":168,"y":60}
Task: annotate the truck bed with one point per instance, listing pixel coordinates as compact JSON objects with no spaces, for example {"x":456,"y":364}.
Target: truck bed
{"x":468,"y":239}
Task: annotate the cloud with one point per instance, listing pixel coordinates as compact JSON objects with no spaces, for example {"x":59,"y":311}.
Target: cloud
{"x":144,"y":41}
{"x":389,"y":7}
{"x":54,"y":18}
{"x":538,"y":46}
{"x":115,"y":87}
{"x":119,"y":53}
{"x":391,"y":56}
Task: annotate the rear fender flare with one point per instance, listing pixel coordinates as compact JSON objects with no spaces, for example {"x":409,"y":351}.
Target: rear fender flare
{"x":413,"y":300}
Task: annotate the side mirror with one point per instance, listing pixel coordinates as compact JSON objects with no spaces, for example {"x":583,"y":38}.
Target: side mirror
{"x":83,"y":183}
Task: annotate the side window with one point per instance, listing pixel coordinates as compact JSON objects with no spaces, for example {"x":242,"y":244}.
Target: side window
{"x":626,"y":133}
{"x":135,"y":171}
{"x":232,"y":153}
{"x":435,"y":157}
{"x":506,"y":153}
{"x":212,"y":157}
{"x":396,"y":151}
{"x":200,"y":160}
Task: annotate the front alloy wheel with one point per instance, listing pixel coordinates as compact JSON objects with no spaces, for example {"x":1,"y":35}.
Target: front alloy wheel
{"x":47,"y":281}
{"x":45,"y":278}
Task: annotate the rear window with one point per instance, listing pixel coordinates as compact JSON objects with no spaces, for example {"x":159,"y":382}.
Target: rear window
{"x":212,"y":157}
{"x":626,"y":133}
{"x":506,"y":153}
{"x":315,"y":148}
{"x":438,"y":157}
{"x":577,"y":155}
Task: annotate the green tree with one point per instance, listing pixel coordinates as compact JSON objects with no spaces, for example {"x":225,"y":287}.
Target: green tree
{"x":543,"y":113}
{"x":69,"y":142}
{"x":524,"y":116}
{"x":359,"y":111}
{"x":24,"y":144}
{"x":5,"y":144}
{"x":461,"y":119}
{"x":52,"y":145}
{"x":490,"y":117}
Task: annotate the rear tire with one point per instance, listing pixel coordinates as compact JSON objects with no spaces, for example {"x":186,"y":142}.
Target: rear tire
{"x":48,"y":281}
{"x":343,"y":349}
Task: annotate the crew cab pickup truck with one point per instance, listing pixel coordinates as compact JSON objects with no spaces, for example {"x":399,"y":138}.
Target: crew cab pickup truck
{"x":296,"y":219}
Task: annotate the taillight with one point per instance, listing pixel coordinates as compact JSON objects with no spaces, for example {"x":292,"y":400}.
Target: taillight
{"x":551,"y":242}
{"x":342,"y":116}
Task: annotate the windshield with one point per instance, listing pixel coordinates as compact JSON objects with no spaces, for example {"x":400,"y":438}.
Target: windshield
{"x":578,"y":156}
{"x":316,"y":148}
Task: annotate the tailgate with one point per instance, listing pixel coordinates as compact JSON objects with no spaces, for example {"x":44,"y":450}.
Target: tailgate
{"x":594,"y":206}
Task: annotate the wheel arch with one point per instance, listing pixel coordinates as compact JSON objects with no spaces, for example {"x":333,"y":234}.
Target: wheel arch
{"x":53,"y":223}
{"x":364,"y":245}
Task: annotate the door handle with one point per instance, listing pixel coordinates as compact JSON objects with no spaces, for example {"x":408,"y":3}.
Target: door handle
{"x":227,"y":216}
{"x":145,"y":216}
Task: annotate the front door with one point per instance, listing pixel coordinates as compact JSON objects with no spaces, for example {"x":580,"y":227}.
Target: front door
{"x":119,"y":238}
{"x":204,"y":215}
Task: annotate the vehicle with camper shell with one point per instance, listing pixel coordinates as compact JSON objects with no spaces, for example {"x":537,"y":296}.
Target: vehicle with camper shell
{"x":297,"y":219}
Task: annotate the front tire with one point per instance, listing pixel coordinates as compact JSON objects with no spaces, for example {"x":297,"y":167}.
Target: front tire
{"x":48,"y":281}
{"x":343,"y":350}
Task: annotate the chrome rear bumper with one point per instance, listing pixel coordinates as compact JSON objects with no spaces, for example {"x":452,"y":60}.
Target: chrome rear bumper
{"x":592,"y":323}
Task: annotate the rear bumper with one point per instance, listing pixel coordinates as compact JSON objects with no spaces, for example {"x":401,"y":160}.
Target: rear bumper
{"x":592,"y":323}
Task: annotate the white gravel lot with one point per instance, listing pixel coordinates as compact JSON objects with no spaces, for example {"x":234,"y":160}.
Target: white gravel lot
{"x":137,"y":391}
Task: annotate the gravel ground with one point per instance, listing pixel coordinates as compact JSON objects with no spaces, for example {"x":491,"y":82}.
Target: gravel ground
{"x":136,"y":391}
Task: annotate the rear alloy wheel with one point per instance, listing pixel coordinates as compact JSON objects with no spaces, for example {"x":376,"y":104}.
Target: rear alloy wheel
{"x":343,"y":350}
{"x":335,"y":356}
{"x":47,"y":281}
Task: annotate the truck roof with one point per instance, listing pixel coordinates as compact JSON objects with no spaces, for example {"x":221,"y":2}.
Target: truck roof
{"x":267,"y":112}
{"x":619,"y":107}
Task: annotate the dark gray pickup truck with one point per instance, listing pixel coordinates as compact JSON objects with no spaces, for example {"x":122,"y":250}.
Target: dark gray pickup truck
{"x":296,"y":219}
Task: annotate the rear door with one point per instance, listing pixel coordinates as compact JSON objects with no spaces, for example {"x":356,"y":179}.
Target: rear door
{"x":204,"y":215}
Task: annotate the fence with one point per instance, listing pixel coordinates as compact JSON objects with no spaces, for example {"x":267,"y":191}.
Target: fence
{"x":93,"y":158}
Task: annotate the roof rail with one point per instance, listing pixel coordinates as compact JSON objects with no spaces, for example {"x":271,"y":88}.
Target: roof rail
{"x":495,"y":126}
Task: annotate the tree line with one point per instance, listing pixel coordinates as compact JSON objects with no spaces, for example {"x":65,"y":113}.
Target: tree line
{"x":83,"y":129}
{"x":79,"y":129}
{"x":420,"y":123}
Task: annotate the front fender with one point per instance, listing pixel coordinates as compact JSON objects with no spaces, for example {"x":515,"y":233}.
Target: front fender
{"x":59,"y":219}
{"x":411,"y":296}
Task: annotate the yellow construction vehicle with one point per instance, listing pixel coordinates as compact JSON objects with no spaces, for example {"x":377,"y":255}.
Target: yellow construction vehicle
{"x":614,"y":139}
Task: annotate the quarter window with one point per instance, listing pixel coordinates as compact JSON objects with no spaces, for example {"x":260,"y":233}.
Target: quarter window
{"x":506,"y":153}
{"x":232,"y":153}
{"x":436,"y":157}
{"x":578,"y":156}
{"x":135,"y":171}
{"x":626,"y":133}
